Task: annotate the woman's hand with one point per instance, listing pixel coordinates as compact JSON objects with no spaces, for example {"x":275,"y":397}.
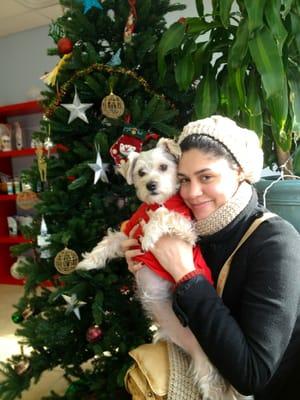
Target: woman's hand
{"x":175,"y":255}
{"x":132,"y":248}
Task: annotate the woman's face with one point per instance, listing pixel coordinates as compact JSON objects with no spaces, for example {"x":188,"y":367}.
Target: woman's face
{"x":206,"y":182}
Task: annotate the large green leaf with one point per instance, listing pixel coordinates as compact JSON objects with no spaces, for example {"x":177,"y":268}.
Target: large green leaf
{"x":199,"y":26}
{"x":237,"y":80}
{"x":266,"y":57}
{"x":225,"y":7}
{"x":239,"y":48}
{"x":278,"y":107}
{"x":286,"y":7}
{"x":228,"y":96}
{"x":184,"y":71}
{"x":207,"y":97}
{"x":272,"y":14}
{"x":255,"y":11}
{"x":296,"y":161}
{"x":200,"y":57}
{"x":254,"y":118}
{"x":170,"y":40}
{"x":295,"y":23}
{"x":294,"y":96}
{"x":199,"y":7}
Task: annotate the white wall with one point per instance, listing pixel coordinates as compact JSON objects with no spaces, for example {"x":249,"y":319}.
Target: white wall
{"x":24,"y":59}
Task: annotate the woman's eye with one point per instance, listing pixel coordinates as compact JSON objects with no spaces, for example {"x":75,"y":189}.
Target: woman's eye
{"x":205,"y":178}
{"x":182,"y":181}
{"x":141,"y":173}
{"x":163,"y":167}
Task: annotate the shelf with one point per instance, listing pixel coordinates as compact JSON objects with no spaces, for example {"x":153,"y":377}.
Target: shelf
{"x":12,"y":239}
{"x":17,"y":153}
{"x":8,"y":197}
{"x":30,"y":151}
{"x":28,"y":107}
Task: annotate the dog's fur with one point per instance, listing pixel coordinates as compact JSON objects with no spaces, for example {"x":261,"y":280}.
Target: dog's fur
{"x":154,"y":175}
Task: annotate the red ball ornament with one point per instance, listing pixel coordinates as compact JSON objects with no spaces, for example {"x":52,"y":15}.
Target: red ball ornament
{"x":94,"y":334}
{"x":64,"y":45}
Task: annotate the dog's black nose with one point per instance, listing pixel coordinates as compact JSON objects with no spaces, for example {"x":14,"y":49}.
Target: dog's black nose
{"x":151,"y":186}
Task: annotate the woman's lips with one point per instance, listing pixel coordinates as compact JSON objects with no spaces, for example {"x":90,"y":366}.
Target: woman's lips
{"x":200,"y":205}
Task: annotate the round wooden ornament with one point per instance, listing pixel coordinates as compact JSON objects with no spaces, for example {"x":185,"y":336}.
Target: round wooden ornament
{"x":112,"y":106}
{"x":66,"y":261}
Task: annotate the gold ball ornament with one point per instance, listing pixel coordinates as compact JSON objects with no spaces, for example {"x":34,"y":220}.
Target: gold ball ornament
{"x":112,"y":106}
{"x":66,"y":261}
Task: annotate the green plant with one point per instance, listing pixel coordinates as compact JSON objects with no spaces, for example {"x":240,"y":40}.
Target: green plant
{"x":243,"y":61}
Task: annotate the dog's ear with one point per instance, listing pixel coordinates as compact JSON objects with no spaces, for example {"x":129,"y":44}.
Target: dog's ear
{"x":170,"y":146}
{"x":126,"y":167}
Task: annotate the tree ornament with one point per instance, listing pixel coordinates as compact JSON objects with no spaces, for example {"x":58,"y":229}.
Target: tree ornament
{"x":115,"y":59}
{"x":65,"y":45}
{"x":66,"y":261}
{"x":112,"y":106}
{"x":28,"y":312}
{"x":22,"y":366}
{"x":42,"y":163}
{"x":43,"y":240}
{"x":130,"y":23}
{"x":88,"y":4}
{"x":17,"y":317}
{"x":14,"y":268}
{"x":131,"y":140}
{"x":125,"y":290}
{"x":75,"y":387}
{"x":50,"y":77}
{"x":73,"y":304}
{"x":77,"y":109}
{"x":56,"y":31}
{"x":27,"y":200}
{"x":94,"y":334}
{"x":99,"y":168}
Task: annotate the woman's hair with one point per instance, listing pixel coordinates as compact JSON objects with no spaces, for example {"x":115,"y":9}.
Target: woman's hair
{"x":208,"y":145}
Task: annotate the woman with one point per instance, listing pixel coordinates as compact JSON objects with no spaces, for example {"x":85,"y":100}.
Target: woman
{"x":252,"y":333}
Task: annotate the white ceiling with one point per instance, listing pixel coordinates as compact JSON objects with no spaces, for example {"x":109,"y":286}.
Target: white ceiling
{"x":21,"y":15}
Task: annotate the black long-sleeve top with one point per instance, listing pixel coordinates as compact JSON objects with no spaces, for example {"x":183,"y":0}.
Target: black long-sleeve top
{"x":252,"y":333}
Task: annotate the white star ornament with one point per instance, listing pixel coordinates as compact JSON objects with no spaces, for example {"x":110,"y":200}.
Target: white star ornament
{"x":77,"y":109}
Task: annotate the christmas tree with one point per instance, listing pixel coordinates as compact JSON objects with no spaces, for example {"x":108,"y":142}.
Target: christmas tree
{"x":103,"y":98}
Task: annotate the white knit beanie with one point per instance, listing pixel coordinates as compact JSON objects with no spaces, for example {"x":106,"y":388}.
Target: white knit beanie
{"x":242,"y":143}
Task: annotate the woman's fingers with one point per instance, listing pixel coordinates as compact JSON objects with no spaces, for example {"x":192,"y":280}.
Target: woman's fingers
{"x":132,"y":248}
{"x":133,"y":266}
{"x":133,"y":231}
{"x":128,"y":243}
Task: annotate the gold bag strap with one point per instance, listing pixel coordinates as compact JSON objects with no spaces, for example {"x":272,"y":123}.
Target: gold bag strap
{"x":226,"y":267}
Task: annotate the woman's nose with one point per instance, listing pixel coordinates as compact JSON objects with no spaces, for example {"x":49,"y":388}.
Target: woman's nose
{"x":195,"y":189}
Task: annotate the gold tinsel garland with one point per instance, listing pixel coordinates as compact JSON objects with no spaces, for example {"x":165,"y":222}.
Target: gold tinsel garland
{"x":100,"y":67}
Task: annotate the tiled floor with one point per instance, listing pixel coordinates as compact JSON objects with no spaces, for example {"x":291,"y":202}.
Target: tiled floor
{"x":9,"y":295}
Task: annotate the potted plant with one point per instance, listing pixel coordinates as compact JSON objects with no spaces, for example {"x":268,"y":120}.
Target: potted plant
{"x":242,"y":60}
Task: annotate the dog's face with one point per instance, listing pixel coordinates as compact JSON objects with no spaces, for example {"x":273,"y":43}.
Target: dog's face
{"x":153,"y":173}
{"x":154,"y":176}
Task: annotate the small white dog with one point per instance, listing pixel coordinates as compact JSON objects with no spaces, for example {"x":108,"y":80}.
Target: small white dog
{"x":154,"y":175}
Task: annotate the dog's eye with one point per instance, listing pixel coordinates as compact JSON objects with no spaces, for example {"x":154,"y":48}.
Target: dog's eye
{"x":163,"y":167}
{"x":141,"y":173}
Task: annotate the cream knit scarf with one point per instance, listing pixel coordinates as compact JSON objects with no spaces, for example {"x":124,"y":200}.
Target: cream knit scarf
{"x":181,"y":385}
{"x":227,"y":213}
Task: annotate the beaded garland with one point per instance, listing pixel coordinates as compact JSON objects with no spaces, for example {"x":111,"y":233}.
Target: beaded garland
{"x":100,"y":67}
